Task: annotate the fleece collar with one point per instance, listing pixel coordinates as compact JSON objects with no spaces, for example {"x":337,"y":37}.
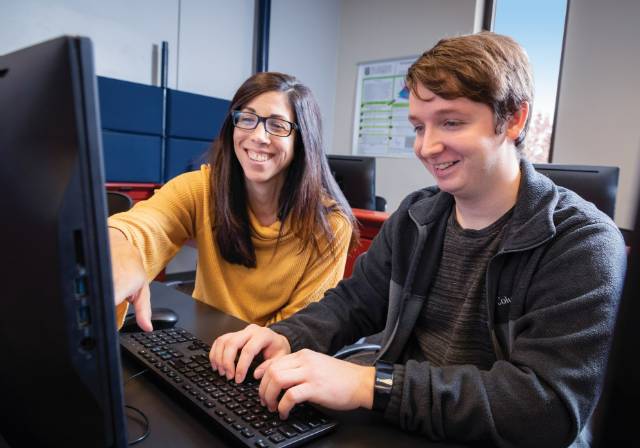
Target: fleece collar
{"x":532,"y":220}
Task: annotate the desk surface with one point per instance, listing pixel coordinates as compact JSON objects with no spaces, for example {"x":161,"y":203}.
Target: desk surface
{"x":172,"y":425}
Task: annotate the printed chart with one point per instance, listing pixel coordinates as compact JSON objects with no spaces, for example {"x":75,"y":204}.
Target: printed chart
{"x":381,"y":126}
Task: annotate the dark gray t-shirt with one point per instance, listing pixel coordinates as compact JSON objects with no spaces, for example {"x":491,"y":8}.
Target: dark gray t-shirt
{"x":452,"y":327}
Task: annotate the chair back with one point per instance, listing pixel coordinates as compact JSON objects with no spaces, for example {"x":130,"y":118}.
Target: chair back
{"x":118,"y":202}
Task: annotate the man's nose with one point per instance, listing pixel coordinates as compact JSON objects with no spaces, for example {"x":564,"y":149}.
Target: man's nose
{"x":429,"y":145}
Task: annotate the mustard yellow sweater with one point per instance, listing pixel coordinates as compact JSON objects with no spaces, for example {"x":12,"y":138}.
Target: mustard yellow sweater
{"x":280,"y":285}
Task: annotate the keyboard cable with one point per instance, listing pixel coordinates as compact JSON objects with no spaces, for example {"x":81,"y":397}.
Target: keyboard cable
{"x":144,"y":422}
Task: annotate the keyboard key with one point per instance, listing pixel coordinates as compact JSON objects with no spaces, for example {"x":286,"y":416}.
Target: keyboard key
{"x":247,"y":433}
{"x":277,"y":438}
{"x":288,"y":431}
{"x":300,"y":427}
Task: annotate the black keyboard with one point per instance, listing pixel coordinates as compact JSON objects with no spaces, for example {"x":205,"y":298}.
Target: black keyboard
{"x":181,"y":362}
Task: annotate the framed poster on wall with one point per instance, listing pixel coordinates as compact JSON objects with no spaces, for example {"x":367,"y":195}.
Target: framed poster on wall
{"x":381,"y":126}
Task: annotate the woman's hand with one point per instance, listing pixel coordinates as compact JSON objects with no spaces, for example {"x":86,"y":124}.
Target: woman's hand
{"x":310,"y":376}
{"x":250,"y":342}
{"x":129,"y":278}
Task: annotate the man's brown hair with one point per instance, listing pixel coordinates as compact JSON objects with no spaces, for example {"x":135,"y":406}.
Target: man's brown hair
{"x":486,"y":68}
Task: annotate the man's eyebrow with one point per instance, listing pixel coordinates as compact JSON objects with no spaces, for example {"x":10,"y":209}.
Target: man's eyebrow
{"x":426,"y":100}
{"x":441,"y":112}
{"x":451,"y":110}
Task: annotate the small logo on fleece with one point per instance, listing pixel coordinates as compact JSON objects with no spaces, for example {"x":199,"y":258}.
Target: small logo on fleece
{"x":503,"y":300}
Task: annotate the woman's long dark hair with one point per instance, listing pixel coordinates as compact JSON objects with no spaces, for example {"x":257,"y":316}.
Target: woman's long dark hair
{"x":307,"y":186}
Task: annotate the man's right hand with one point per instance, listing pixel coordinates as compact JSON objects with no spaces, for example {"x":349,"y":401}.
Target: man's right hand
{"x":129,"y":278}
{"x":250,"y":342}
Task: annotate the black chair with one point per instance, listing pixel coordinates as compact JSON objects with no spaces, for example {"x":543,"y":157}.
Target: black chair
{"x":381,"y":204}
{"x":118,"y":202}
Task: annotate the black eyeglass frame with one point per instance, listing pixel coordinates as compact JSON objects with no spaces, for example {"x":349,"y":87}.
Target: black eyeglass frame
{"x":236,"y":113}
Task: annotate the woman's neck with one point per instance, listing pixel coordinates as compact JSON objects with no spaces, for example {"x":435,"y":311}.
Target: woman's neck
{"x":263,"y":202}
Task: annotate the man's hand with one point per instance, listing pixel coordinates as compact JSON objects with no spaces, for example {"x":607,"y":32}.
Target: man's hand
{"x":250,"y":342}
{"x":310,"y":376}
{"x":129,"y":278}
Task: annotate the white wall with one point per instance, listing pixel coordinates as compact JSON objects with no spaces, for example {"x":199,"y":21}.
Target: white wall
{"x":215,"y":46}
{"x":597,"y":120}
{"x":379,"y":29}
{"x":211,"y":39}
{"x":123,"y":33}
{"x":303,"y":41}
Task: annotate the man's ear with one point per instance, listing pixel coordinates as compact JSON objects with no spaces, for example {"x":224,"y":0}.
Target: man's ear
{"x":516,"y":123}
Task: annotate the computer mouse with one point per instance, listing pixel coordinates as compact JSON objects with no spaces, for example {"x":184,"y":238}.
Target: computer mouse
{"x":161,"y":318}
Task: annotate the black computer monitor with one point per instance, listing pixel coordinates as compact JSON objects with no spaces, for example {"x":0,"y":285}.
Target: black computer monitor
{"x":356,"y":177}
{"x":616,"y":420}
{"x":60,"y":375}
{"x":597,"y":184}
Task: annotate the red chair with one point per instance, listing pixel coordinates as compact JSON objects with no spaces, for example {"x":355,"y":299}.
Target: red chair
{"x":369,"y":222}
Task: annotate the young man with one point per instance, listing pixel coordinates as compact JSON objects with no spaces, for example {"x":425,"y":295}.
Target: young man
{"x":495,"y":291}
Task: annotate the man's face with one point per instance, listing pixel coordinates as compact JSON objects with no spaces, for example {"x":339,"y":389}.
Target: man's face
{"x":457,"y":142}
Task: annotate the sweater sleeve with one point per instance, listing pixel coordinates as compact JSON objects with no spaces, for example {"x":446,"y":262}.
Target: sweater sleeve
{"x":324,"y":271}
{"x":159,"y":226}
{"x":546,"y":391}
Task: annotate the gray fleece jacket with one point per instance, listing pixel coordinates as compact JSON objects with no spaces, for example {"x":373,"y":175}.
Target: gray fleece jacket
{"x":552,"y":294}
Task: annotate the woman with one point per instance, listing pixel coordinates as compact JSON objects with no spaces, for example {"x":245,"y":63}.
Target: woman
{"x":272,"y":228}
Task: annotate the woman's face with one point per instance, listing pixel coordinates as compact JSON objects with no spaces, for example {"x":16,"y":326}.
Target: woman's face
{"x":264,"y":157}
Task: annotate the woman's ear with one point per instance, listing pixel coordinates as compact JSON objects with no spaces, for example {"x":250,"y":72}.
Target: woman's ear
{"x":516,"y":123}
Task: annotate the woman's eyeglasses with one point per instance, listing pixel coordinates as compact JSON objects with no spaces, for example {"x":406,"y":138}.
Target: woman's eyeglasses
{"x":274,"y":126}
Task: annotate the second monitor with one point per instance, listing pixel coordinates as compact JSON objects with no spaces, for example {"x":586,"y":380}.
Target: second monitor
{"x":597,"y":184}
{"x":356,"y":177}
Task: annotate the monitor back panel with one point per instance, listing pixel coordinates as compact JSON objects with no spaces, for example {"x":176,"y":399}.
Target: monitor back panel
{"x":597,"y":184}
{"x":60,"y":378}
